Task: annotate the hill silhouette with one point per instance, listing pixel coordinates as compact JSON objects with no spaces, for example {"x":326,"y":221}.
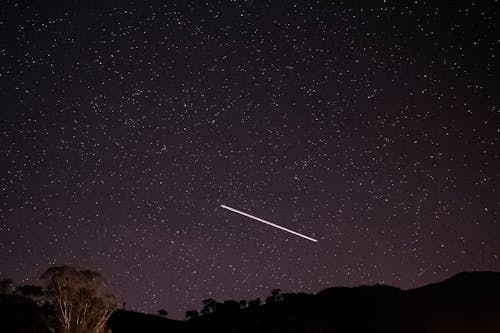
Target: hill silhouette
{"x":467,"y":302}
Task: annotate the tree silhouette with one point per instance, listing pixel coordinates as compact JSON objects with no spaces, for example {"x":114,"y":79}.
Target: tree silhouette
{"x":254,"y":303}
{"x":226,"y":307}
{"x":209,"y":305}
{"x":190,"y":314}
{"x":275,"y":296}
{"x":162,"y":313}
{"x":29,"y":290}
{"x":78,"y":300}
{"x":20,"y":308}
{"x":6,"y":286}
{"x":35,"y":293}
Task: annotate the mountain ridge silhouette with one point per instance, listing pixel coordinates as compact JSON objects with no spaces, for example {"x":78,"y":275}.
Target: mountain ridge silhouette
{"x":466,"y":302}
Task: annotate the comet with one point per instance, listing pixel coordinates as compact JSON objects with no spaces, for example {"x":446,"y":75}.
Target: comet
{"x":269,"y":223}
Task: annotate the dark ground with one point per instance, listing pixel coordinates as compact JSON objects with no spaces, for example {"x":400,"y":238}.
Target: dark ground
{"x":467,"y":302}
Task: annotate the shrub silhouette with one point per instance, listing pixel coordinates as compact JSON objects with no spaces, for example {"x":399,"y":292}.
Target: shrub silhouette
{"x":190,"y":314}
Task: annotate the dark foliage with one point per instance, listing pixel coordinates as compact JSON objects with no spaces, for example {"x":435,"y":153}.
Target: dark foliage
{"x":190,"y":314}
{"x":20,"y":314}
{"x":468,"y":302}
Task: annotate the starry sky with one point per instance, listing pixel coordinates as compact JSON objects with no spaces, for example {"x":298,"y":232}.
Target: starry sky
{"x":372,"y":126}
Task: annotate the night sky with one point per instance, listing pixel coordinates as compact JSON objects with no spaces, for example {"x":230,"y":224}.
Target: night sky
{"x":373,"y":127}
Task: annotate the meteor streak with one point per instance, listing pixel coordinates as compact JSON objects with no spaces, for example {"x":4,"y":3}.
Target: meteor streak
{"x":269,"y":223}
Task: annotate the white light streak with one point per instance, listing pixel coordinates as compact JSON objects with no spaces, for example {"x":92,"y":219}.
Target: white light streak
{"x":269,"y":223}
{"x":424,"y":270}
